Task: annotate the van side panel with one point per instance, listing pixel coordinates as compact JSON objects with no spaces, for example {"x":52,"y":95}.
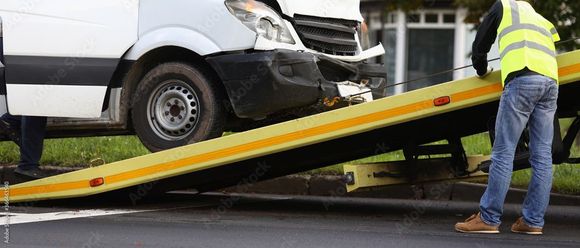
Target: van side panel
{"x":69,"y":28}
{"x":64,"y":48}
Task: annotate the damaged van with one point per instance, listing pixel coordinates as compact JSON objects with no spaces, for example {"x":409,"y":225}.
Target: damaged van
{"x":176,"y":72}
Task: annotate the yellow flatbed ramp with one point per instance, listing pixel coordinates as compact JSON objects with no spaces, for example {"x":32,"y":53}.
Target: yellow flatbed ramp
{"x":312,"y":142}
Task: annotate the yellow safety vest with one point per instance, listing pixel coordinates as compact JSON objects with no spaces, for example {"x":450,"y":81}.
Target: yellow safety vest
{"x":526,"y":39}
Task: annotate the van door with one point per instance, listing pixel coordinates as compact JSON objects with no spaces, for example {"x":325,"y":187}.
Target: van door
{"x":60,"y":55}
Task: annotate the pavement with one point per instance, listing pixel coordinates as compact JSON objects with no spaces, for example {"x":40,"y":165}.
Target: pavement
{"x":183,"y":219}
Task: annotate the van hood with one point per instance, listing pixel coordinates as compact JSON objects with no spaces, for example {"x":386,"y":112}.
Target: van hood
{"x":340,"y":9}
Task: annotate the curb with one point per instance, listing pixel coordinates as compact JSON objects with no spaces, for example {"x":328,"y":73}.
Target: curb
{"x":472,"y":192}
{"x":333,"y":186}
{"x":409,"y":209}
{"x":412,"y":209}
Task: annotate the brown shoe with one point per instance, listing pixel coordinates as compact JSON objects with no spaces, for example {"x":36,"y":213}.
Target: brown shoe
{"x":521,"y":227}
{"x":474,"y":224}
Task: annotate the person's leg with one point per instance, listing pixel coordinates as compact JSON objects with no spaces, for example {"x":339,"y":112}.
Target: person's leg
{"x":14,"y":121}
{"x":33,"y":131}
{"x":513,"y":113}
{"x":541,"y":134}
{"x":10,"y":126}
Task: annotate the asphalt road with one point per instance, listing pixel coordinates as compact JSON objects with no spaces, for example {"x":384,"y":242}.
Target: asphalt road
{"x":215,"y":220}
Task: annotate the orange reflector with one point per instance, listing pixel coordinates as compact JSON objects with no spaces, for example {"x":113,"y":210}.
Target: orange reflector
{"x":97,"y":182}
{"x":440,"y":101}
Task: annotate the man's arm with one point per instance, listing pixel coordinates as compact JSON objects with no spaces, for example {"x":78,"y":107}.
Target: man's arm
{"x":486,"y":35}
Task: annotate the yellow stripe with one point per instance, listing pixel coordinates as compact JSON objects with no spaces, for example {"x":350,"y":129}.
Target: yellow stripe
{"x":470,"y":94}
{"x":568,"y":70}
{"x":289,"y":137}
{"x":49,"y":188}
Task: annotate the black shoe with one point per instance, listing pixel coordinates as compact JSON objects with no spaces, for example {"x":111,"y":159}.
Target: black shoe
{"x":10,"y":132}
{"x":35,"y":173}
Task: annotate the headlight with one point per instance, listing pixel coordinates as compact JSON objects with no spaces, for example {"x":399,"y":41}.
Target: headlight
{"x":261,"y":19}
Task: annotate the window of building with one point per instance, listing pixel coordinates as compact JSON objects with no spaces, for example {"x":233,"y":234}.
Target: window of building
{"x":430,"y":51}
{"x":419,"y":44}
{"x":449,"y":18}
{"x":431,"y":18}
{"x":414,"y":18}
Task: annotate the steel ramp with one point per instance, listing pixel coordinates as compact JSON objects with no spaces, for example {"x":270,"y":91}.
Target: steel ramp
{"x":312,"y":142}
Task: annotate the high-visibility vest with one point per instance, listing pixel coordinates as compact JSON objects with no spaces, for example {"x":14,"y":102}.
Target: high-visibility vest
{"x":526,"y":39}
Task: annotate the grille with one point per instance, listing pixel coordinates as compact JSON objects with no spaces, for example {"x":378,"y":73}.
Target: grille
{"x":327,"y":35}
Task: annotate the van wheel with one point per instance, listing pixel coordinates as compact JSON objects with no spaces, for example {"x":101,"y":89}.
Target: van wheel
{"x":175,"y":105}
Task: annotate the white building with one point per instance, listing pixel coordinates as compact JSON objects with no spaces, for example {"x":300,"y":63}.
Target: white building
{"x":419,"y":43}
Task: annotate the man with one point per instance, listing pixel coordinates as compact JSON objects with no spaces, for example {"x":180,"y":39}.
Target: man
{"x":529,"y":74}
{"x":28,"y":133}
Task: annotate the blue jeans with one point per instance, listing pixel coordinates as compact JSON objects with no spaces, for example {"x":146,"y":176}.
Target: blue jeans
{"x":526,"y":100}
{"x":32,"y":131}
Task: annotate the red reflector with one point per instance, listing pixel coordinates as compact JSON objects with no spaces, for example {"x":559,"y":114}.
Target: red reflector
{"x":440,"y":101}
{"x":97,"y":182}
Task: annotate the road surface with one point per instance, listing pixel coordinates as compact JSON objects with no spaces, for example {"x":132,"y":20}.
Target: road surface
{"x":182,"y":219}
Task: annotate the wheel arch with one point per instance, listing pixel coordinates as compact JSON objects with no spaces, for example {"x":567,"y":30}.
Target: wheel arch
{"x":169,"y":37}
{"x":129,"y":80}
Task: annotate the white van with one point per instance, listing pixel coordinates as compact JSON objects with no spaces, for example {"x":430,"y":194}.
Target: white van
{"x":180,"y":71}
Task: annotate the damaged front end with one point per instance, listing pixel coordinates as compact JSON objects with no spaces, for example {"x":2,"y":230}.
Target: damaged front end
{"x":262,"y":83}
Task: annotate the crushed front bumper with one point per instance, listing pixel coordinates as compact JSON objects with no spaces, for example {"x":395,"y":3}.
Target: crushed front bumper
{"x":262,"y":83}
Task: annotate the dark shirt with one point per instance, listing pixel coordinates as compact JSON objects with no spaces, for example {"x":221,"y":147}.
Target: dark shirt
{"x":486,"y":35}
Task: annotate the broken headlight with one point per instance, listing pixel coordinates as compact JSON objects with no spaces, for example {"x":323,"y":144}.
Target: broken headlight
{"x":261,"y":19}
{"x":363,"y":36}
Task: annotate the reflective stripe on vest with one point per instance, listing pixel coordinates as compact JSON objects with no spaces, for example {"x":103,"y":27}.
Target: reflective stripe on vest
{"x":528,"y":44}
{"x":526,"y":39}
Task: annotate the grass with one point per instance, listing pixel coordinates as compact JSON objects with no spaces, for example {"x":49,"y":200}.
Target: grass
{"x":80,"y":151}
{"x":566,"y":179}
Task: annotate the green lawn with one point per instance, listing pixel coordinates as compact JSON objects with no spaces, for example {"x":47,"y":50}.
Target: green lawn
{"x":80,"y":151}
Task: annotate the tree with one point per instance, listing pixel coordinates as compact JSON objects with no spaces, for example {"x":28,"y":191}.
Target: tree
{"x":562,"y":13}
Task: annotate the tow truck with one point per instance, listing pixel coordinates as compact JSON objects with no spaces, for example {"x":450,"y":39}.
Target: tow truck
{"x":410,"y":121}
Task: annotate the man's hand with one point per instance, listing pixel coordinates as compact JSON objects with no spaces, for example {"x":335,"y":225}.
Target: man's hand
{"x":489,"y":71}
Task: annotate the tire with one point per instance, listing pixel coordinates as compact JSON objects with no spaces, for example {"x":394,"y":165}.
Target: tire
{"x":175,"y":104}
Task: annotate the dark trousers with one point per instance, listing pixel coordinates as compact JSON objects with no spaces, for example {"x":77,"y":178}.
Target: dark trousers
{"x":32,"y":131}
